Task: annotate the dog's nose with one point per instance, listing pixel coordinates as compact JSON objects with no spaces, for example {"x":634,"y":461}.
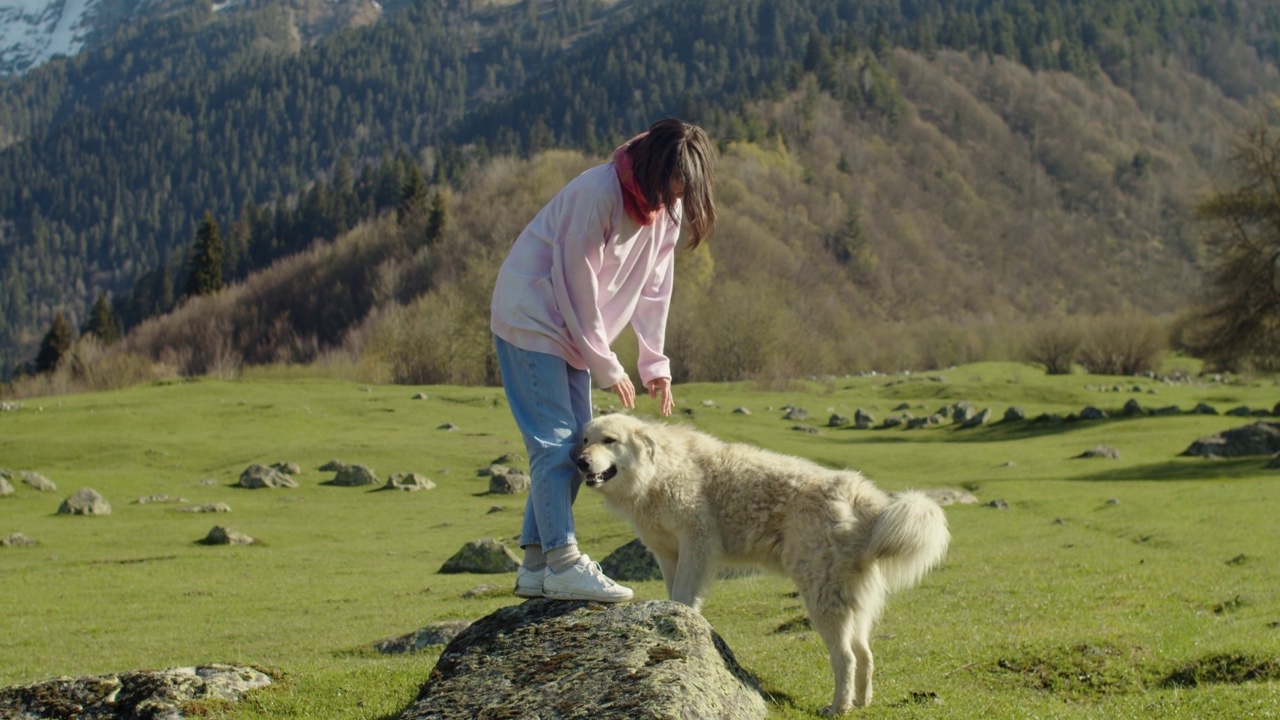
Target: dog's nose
{"x":583,"y":465}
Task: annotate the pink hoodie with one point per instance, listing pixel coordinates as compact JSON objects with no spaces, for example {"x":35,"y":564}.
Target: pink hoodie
{"x":580,"y":271}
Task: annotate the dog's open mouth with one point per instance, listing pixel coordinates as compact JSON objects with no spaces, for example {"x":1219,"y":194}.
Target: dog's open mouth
{"x":600,"y":478}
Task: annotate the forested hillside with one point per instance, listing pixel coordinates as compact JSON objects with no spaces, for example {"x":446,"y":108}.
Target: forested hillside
{"x":962,"y":159}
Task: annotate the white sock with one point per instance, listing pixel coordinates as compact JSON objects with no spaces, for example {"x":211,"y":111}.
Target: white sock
{"x":563,"y":558}
{"x":533,"y":557}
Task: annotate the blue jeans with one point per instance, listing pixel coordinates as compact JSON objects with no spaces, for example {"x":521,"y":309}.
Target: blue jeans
{"x":550,"y":401}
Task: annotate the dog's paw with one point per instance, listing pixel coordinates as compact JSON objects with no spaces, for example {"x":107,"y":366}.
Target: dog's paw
{"x":833,"y":711}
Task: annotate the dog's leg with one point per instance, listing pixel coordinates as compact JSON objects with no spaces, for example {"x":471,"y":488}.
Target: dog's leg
{"x":862,"y":653}
{"x":667,"y":563}
{"x":834,"y":622}
{"x":691,"y":573}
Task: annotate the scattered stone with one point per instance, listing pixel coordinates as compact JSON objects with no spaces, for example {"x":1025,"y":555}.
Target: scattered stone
{"x":708,"y":403}
{"x":631,"y":563}
{"x":951,"y":496}
{"x":1113,"y":501}
{"x":408,"y":482}
{"x":902,"y":406}
{"x":17,"y":540}
{"x":152,"y":694}
{"x":486,"y":590}
{"x":150,"y":499}
{"x":1204,"y":409}
{"x":5,"y":487}
{"x":437,"y":633}
{"x":421,"y":396}
{"x":1242,"y":411}
{"x":508,"y":459}
{"x":742,"y":411}
{"x":355,"y":476}
{"x":220,"y":535}
{"x":837,"y":420}
{"x":1048,"y":419}
{"x":962,"y":411}
{"x":863,"y":420}
{"x":1092,"y":413}
{"x":288,"y":468}
{"x":1168,"y":410}
{"x":10,"y":406}
{"x":509,"y":483}
{"x":85,"y":501}
{"x":1059,"y":521}
{"x":1132,"y":408}
{"x":892,"y":421}
{"x":1015,"y":414}
{"x":38,"y":482}
{"x":916,"y":423}
{"x":450,"y":427}
{"x":998,"y":504}
{"x":495,"y":509}
{"x":332,"y":466}
{"x":796,"y":413}
{"x":978,"y":419}
{"x":811,"y":430}
{"x":218,"y":507}
{"x":482,"y":556}
{"x":1260,"y":438}
{"x":1101,"y":451}
{"x":258,"y":476}
{"x":652,"y":659}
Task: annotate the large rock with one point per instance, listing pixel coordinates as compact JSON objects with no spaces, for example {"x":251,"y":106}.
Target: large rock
{"x":260,"y":476}
{"x":482,"y":556}
{"x":143,"y":694}
{"x":85,"y":501}
{"x":585,"y":661}
{"x":1260,"y":438}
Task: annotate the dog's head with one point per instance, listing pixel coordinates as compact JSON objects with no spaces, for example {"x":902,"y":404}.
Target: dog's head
{"x":614,"y":447}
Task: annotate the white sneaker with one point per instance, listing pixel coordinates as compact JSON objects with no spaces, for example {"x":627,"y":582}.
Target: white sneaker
{"x":529,"y":582}
{"x":583,"y":581}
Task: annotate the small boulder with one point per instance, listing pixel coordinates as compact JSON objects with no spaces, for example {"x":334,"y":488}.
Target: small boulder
{"x":408,"y":482}
{"x":482,"y":556}
{"x":1204,"y":409}
{"x":863,"y":420}
{"x":1101,"y":451}
{"x":218,"y":507}
{"x":509,"y":483}
{"x":1131,"y":408}
{"x":38,"y":482}
{"x":437,"y":633}
{"x":1092,"y":413}
{"x":1015,"y":414}
{"x":288,"y":468}
{"x":152,"y":499}
{"x":17,"y":540}
{"x":837,"y":420}
{"x":220,"y":535}
{"x":332,"y":466}
{"x":85,"y":501}
{"x":258,"y":476}
{"x":742,"y":411}
{"x":977,"y":419}
{"x":5,"y":487}
{"x":796,"y":413}
{"x":155,"y":694}
{"x":355,"y":476}
{"x":631,"y":563}
{"x":1260,"y":438}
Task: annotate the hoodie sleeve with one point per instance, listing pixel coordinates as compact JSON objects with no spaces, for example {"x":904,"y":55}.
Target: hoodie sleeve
{"x":578,"y":254}
{"x":650,"y":319}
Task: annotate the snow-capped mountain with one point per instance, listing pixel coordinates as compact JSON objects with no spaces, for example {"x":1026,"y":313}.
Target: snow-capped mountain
{"x":33,"y":31}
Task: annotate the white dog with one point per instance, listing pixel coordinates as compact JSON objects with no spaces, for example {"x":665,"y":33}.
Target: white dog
{"x":697,"y":502}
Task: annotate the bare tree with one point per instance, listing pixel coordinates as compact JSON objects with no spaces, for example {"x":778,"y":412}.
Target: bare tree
{"x":1240,"y":323}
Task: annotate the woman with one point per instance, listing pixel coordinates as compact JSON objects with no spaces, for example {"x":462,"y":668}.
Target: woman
{"x":599,"y":256}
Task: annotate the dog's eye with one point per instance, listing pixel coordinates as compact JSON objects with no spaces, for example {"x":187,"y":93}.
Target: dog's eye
{"x":609,"y":441}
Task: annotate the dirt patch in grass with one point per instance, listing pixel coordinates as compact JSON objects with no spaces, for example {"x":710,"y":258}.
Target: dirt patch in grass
{"x":1078,"y":671}
{"x":1224,"y":669}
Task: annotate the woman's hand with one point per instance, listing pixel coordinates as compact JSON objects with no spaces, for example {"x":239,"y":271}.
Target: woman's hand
{"x":660,"y":389}
{"x":626,"y":392}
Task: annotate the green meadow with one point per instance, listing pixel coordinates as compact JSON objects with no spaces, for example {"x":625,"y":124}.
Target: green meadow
{"x":1144,"y":586}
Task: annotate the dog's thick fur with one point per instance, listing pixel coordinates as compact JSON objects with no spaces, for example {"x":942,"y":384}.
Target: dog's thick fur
{"x":697,"y":502}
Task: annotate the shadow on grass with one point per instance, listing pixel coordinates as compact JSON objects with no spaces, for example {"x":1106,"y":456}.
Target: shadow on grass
{"x":1187,"y":469}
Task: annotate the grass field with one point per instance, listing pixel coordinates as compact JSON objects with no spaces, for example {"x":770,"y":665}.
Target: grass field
{"x":1147,"y":586}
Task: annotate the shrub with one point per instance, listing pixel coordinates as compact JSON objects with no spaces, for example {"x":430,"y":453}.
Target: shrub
{"x":1123,"y":343}
{"x":1055,"y":344}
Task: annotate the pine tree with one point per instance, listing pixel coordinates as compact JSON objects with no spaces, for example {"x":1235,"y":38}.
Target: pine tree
{"x":205,"y":275}
{"x":102,"y":321}
{"x":438,"y":218}
{"x":55,"y":346}
{"x":413,"y":190}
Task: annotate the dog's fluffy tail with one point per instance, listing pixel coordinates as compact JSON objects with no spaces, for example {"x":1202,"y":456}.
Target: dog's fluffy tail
{"x":908,"y":539}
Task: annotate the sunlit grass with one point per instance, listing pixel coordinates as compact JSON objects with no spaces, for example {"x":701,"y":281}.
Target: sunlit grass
{"x":1100,"y":581}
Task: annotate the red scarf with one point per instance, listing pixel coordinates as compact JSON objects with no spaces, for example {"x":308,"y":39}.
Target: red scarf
{"x":633,"y":200}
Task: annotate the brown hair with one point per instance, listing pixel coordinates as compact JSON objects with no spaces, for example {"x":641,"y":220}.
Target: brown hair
{"x":677,"y":151}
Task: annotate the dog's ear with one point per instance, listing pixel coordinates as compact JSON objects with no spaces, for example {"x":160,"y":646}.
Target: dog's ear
{"x":642,"y":434}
